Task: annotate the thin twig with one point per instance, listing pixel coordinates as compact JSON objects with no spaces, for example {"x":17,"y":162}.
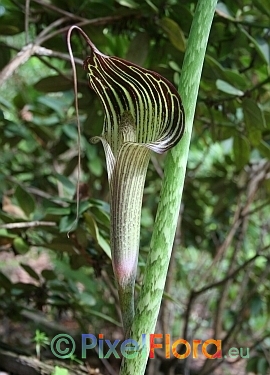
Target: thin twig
{"x":52,"y":26}
{"x":230,"y":276}
{"x":26,"y":21}
{"x":60,"y":11}
{"x":28,"y":224}
{"x":95,"y":21}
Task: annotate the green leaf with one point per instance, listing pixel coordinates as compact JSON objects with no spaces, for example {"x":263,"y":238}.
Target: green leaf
{"x":60,"y":371}
{"x":101,"y":216}
{"x":252,"y":364}
{"x":264,"y":149}
{"x":254,"y":116}
{"x":259,"y":46}
{"x":138,"y":49}
{"x":212,"y":70}
{"x":262,"y":366}
{"x":254,"y":120}
{"x":174,"y":32}
{"x":93,"y":229}
{"x":223,"y":11}
{"x":228,"y":88}
{"x":236,"y":79}
{"x":128,"y":3}
{"x":256,"y":305}
{"x":241,"y":150}
{"x":76,"y":262}
{"x":4,"y":56}
{"x":263,"y":6}
{"x":30,"y":271}
{"x":84,"y":205}
{"x":27,"y":145}
{"x":87,"y":299}
{"x":48,"y":274}
{"x":25,"y":200}
{"x":68,"y":185}
{"x":264,"y":47}
{"x":92,"y":226}
{"x":20,"y":245}
{"x":95,"y":166}
{"x":4,"y":233}
{"x":53,"y":84}
{"x":105,"y":317}
{"x":61,"y":245}
{"x":67,"y":223}
{"x":55,"y":104}
{"x":59,"y":211}
{"x":5,"y":282}
{"x":105,"y":246}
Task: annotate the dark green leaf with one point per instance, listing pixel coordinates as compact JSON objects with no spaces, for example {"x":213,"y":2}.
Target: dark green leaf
{"x":92,"y":226}
{"x":101,"y":216}
{"x":262,"y":366}
{"x":61,"y":245}
{"x":30,"y":271}
{"x":241,"y":150}
{"x":58,"y":211}
{"x":263,"y":5}
{"x":260,"y":47}
{"x":93,"y":229}
{"x":53,"y":84}
{"x":48,"y":274}
{"x":5,"y":282}
{"x":264,"y":149}
{"x":25,"y":201}
{"x":254,"y":116}
{"x":5,"y":55}
{"x":236,"y":79}
{"x":20,"y":245}
{"x":138,"y":49}
{"x":174,"y":32}
{"x":67,"y":223}
{"x":254,"y":121}
{"x":66,"y":183}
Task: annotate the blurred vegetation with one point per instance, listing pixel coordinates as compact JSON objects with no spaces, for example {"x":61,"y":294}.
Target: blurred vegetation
{"x":219,"y":277}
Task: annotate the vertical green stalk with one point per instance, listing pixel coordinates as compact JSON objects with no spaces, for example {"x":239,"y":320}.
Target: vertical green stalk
{"x":168,"y":210}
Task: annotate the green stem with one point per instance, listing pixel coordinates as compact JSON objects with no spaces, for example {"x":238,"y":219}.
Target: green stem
{"x":164,"y":230}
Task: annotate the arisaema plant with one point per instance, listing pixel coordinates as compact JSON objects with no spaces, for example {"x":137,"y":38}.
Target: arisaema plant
{"x":143,"y":112}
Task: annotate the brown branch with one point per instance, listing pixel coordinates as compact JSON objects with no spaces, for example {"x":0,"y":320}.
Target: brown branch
{"x":18,"y":60}
{"x":240,"y":318}
{"x":60,"y":11}
{"x":26,"y":21}
{"x":25,"y":54}
{"x":52,"y":26}
{"x":230,"y":276}
{"x":212,"y":102}
{"x":35,"y":48}
{"x":24,"y":365}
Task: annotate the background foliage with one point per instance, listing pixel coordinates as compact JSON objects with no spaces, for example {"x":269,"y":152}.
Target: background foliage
{"x":218,"y":283}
